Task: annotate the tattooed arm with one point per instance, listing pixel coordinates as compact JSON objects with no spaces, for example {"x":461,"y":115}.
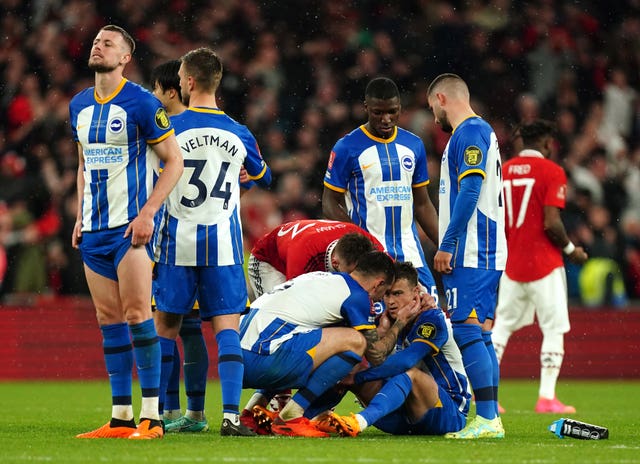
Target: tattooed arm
{"x":378,"y":348}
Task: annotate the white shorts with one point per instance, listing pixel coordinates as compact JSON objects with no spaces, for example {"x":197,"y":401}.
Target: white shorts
{"x":546,"y":299}
{"x":263,"y":276}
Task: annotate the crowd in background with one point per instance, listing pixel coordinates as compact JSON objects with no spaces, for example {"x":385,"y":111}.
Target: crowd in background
{"x":295,"y":73}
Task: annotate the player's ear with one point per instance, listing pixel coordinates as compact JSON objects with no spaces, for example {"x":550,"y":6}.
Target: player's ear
{"x":126,"y":58}
{"x":381,"y":282}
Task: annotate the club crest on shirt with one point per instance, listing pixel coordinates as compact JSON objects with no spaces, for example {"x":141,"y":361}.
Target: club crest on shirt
{"x":162,"y":119}
{"x":472,"y":156}
{"x":377,"y":308}
{"x":116,"y":125}
{"x":562,"y":192}
{"x":407,"y":163}
{"x":427,"y":330}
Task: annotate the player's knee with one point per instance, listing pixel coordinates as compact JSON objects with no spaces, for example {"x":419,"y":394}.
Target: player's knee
{"x":356,"y":343}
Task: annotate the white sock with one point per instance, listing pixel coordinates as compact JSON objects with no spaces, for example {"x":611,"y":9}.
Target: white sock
{"x":551,"y":356}
{"x":362,"y":422}
{"x":233,"y":417}
{"x":291,"y":410}
{"x":195,"y":415}
{"x":122,"y":412}
{"x":149,"y":409}
{"x":256,"y":398}
{"x":172,"y":414}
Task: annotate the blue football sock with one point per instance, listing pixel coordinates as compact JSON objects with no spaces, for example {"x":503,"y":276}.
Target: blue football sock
{"x":148,"y":357}
{"x":326,"y":376}
{"x":391,"y":396}
{"x":324,"y":402}
{"x":230,"y":369}
{"x":172,"y":395}
{"x":168,"y":347}
{"x":118,"y":358}
{"x":486,"y":336}
{"x":196,"y":362}
{"x":478,"y":365}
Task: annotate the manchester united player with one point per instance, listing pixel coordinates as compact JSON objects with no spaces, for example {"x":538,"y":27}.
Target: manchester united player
{"x":303,"y":246}
{"x":534,"y":281}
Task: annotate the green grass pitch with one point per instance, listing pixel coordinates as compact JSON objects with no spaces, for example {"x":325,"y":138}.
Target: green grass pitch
{"x":38,"y":421}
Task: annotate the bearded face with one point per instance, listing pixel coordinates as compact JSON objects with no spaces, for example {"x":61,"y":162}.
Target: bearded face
{"x":107,"y":53}
{"x":101,"y":67}
{"x":440,"y":115}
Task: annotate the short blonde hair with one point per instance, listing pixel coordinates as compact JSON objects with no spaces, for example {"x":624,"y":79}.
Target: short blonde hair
{"x":125,"y":35}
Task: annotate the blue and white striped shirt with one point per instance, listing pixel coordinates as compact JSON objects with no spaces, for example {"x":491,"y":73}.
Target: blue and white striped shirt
{"x":202,"y":219}
{"x":473,"y":149}
{"x":120,"y":167}
{"x":307,"y":302}
{"x":378,"y":176}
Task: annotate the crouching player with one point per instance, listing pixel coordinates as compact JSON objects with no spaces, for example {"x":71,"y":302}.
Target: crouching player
{"x":301,"y":335}
{"x":422,"y":388}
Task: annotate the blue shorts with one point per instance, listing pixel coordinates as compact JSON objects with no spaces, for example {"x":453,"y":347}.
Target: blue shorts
{"x":470,"y":290}
{"x":219,"y":290}
{"x":436,"y":421}
{"x":289,"y":367}
{"x":103,"y":250}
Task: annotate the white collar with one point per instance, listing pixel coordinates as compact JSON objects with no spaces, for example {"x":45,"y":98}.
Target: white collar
{"x":530,"y":153}
{"x":327,"y":256}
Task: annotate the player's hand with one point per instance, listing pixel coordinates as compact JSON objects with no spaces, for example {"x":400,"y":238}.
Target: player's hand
{"x":442,"y":262}
{"x":427,"y":301}
{"x":76,"y":235}
{"x":409,"y":311}
{"x":244,"y":175}
{"x":140,"y":229}
{"x":578,"y":256}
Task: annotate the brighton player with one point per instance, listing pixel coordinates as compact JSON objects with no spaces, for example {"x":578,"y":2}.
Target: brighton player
{"x":119,"y":126}
{"x":306,"y":245}
{"x":377,"y":178}
{"x":166,"y":87}
{"x":472,"y":252}
{"x":534,"y":282}
{"x":296,"y":248}
{"x":422,"y":388}
{"x":301,"y":335}
{"x":199,"y":254}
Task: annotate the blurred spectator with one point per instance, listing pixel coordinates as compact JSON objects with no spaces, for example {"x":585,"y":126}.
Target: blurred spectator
{"x":296,"y":80}
{"x":601,"y":279}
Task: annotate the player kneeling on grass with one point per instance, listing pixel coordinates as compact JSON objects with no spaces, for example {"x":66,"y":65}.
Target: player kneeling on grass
{"x":301,"y":335}
{"x":422,"y":388}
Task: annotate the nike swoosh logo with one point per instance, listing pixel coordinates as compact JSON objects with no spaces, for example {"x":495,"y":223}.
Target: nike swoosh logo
{"x":367,"y":166}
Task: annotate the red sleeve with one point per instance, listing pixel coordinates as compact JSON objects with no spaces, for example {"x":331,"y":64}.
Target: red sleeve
{"x":556,"y":193}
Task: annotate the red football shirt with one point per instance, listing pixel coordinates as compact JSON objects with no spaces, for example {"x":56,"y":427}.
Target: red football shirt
{"x":299,"y":247}
{"x":531,"y":182}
